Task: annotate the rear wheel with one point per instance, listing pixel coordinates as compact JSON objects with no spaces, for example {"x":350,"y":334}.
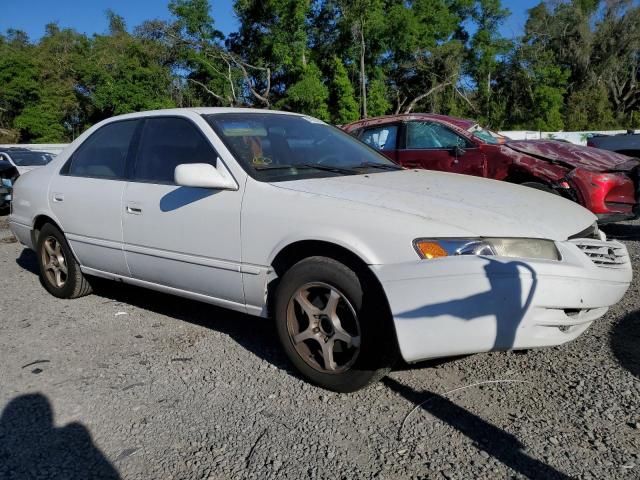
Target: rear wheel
{"x":60,"y":273}
{"x":334,"y":335}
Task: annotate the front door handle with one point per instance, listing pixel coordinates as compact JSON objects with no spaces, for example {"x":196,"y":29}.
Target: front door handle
{"x":58,"y":197}
{"x":134,"y":210}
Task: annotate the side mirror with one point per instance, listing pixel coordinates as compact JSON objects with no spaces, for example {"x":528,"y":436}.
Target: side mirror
{"x":458,"y":151}
{"x":204,"y":175}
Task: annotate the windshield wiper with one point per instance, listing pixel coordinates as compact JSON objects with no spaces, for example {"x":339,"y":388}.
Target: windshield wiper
{"x":327,"y":168}
{"x":382,"y":166}
{"x":330,"y":168}
{"x":277,"y":166}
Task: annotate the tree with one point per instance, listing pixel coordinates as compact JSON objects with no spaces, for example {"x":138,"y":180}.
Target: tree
{"x":485,"y":48}
{"x":366,"y":21}
{"x":54,"y":113}
{"x":122,"y":73}
{"x":273,"y":36}
{"x":342,"y":99}
{"x":589,"y":109}
{"x":308,"y":95}
{"x":18,"y":76}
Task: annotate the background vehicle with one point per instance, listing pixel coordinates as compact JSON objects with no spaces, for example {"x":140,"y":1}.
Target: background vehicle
{"x":13,"y":163}
{"x":24,"y":159}
{"x":624,"y":143}
{"x":282,"y":215}
{"x":606,"y":183}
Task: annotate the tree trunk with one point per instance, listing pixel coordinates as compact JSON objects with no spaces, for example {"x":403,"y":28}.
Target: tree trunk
{"x":363,"y":78}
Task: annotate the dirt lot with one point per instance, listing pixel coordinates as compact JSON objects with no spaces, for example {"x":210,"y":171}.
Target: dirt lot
{"x":128,"y":383}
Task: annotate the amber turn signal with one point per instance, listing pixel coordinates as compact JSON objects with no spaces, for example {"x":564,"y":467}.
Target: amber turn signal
{"x":429,"y":250}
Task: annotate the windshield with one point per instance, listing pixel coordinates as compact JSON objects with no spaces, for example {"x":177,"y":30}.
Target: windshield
{"x":30,"y":159}
{"x":486,"y":135}
{"x":276,"y":147}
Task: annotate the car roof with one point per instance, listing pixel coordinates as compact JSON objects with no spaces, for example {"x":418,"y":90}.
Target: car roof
{"x":461,"y":123}
{"x":202,"y":111}
{"x":11,"y":150}
{"x":14,"y":149}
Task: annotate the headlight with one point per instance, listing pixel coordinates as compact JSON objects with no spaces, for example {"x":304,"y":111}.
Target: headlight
{"x":500,"y":247}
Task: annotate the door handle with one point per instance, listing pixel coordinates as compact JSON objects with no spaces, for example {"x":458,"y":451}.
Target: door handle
{"x":133,"y":210}
{"x":58,"y":197}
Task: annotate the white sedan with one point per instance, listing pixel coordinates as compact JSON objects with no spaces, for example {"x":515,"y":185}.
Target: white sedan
{"x":281,"y":215}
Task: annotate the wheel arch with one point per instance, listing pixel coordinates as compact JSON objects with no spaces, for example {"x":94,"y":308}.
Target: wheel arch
{"x":521,"y":175}
{"x":38,"y":222}
{"x":296,"y":251}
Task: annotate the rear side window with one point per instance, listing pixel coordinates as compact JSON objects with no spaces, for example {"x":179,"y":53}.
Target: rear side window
{"x":166,"y":143}
{"x":381,"y":138}
{"x":104,"y":154}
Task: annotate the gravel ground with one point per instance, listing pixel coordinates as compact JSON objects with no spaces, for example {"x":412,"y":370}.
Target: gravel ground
{"x":128,"y":383}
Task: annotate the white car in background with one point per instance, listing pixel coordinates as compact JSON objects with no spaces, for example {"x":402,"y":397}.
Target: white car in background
{"x":24,"y":159}
{"x":13,"y":163}
{"x":357,"y":260}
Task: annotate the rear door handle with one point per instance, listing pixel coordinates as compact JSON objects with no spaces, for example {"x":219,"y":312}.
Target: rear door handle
{"x":58,"y":197}
{"x":134,"y":210}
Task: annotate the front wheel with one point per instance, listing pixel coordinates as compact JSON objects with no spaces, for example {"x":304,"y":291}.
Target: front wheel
{"x":335,"y":335}
{"x":59,"y":271}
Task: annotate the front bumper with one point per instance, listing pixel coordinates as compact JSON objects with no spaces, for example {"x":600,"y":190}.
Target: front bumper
{"x":463,"y":305}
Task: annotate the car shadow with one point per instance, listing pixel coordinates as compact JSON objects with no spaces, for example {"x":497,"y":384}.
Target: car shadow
{"x":501,"y":445}
{"x":622,"y":231}
{"x":183,"y":196}
{"x":28,"y":261}
{"x":256,"y":334}
{"x":31,"y":446}
{"x":502,"y":300}
{"x":624,"y":341}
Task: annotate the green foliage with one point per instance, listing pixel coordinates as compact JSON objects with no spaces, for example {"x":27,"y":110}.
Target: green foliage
{"x":345,"y":107}
{"x":308,"y":95}
{"x":378,"y":103}
{"x":590,"y":109}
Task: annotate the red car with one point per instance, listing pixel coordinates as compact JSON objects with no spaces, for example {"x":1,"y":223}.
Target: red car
{"x":606,"y":183}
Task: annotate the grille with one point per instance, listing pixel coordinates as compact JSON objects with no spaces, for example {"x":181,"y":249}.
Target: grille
{"x":604,"y":254}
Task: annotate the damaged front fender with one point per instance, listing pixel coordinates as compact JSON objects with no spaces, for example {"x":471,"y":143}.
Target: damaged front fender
{"x":610,"y":195}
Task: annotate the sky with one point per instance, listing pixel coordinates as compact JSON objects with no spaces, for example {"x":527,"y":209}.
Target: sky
{"x":88,"y":16}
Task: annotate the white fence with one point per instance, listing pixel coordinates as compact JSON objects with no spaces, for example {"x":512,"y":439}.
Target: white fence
{"x":54,"y":148}
{"x":579,"y":138}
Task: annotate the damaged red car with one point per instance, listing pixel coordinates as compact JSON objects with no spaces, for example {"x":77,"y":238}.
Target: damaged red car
{"x":606,"y":183}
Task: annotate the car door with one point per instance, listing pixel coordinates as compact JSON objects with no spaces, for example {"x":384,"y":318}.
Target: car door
{"x":86,"y":196}
{"x":383,"y":138}
{"x":181,"y":237}
{"x":434,"y":146}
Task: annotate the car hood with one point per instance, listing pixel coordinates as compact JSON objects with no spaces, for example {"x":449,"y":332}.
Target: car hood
{"x":574,"y":155}
{"x":457,"y":205}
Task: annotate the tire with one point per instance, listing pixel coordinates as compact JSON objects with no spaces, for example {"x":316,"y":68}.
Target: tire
{"x":60,"y":273}
{"x":360,"y":345}
{"x":540,"y":186}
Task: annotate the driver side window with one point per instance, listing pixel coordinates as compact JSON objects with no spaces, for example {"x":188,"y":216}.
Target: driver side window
{"x":434,"y":136}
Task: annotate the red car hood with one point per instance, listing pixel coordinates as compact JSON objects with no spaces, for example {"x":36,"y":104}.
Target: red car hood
{"x":574,"y":155}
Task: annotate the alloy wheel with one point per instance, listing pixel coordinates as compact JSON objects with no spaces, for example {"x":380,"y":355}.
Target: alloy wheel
{"x":54,"y":262}
{"x":323,"y":327}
